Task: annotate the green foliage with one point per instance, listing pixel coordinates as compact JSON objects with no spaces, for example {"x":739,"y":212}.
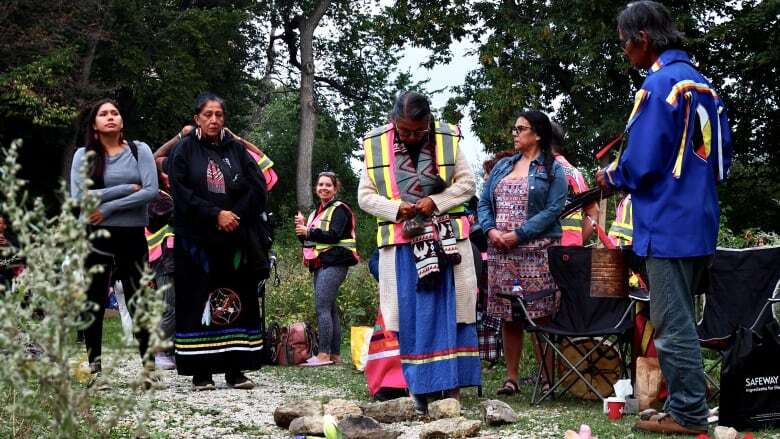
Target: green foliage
{"x":278,"y":136}
{"x":42,"y":383}
{"x":750,"y":237}
{"x":31,"y":91}
{"x":293,"y":299}
{"x":162,"y":56}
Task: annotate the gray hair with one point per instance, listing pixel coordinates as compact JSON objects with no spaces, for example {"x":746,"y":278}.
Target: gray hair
{"x":654,"y":19}
{"x":411,"y":105}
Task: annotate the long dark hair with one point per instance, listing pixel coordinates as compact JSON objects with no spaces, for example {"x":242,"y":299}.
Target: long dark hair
{"x":92,"y":143}
{"x":541,"y":125}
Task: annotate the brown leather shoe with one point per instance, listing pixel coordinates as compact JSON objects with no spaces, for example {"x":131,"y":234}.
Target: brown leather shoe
{"x":664,"y":423}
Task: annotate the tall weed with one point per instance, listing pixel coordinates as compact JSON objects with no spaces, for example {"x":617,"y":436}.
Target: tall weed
{"x":40,"y":314}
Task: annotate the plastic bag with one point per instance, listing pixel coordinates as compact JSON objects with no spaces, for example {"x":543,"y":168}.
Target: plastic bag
{"x":750,"y":380}
{"x":360,"y":338}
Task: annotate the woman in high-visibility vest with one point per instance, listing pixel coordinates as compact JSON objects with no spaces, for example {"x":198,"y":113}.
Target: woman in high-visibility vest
{"x":415,"y":180}
{"x":328,"y":238}
{"x":576,"y":227}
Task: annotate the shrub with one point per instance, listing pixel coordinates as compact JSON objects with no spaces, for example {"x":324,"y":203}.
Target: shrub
{"x":293,"y":299}
{"x":39,"y":317}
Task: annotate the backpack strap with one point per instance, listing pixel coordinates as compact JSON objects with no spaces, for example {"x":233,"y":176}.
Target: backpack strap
{"x":133,"y":149}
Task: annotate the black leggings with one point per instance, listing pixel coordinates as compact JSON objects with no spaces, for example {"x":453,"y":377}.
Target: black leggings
{"x":126,"y":250}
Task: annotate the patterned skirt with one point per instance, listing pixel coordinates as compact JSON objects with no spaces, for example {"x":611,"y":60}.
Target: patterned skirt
{"x":217,"y":313}
{"x":437,"y":353}
{"x":526,"y":263}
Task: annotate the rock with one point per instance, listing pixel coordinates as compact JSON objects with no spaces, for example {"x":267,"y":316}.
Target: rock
{"x":725,"y":433}
{"x":395,"y":410}
{"x":285,"y":413}
{"x":341,"y":408}
{"x":444,"y":408}
{"x":306,"y":425}
{"x":495,"y":412}
{"x":363,"y":427}
{"x":450,"y":427}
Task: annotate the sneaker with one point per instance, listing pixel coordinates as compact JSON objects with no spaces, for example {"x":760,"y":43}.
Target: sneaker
{"x":238,"y":380}
{"x":97,"y":382}
{"x":163,"y":361}
{"x":664,"y":423}
{"x":203,"y":382}
{"x":95,"y":367}
{"x":153,"y":381}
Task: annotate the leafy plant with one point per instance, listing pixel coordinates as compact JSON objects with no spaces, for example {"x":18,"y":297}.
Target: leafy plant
{"x":39,"y":383}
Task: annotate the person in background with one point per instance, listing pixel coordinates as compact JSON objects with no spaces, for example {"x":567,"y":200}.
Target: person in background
{"x":577,"y":226}
{"x":621,"y":232}
{"x":678,"y":149}
{"x":263,"y":161}
{"x":125,"y":181}
{"x":220,"y":256}
{"x":329,"y":249}
{"x":9,"y":246}
{"x":160,"y":241}
{"x":415,"y":179}
{"x":518,"y":209}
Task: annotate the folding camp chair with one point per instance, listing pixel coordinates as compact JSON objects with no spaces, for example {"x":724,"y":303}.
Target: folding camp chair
{"x":744,"y":283}
{"x":606,"y":321}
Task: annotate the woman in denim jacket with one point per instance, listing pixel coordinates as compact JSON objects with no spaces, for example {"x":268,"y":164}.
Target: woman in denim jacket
{"x":518,"y":210}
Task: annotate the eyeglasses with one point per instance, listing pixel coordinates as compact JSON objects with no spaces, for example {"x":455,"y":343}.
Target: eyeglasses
{"x":326,"y":174}
{"x":415,"y":134}
{"x":516,"y":130}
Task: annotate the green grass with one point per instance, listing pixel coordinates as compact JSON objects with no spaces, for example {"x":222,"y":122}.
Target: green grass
{"x":550,"y":419}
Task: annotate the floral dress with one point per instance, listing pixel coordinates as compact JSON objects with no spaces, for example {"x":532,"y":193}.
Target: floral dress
{"x":526,"y":262}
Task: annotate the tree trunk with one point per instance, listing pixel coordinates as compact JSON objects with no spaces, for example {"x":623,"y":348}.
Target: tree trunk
{"x":308,"y":127}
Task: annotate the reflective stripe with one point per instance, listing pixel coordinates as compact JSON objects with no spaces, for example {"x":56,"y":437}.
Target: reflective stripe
{"x":573,"y":220}
{"x":312,"y":250}
{"x":622,"y":230}
{"x":155,"y":239}
{"x":677,"y":170}
{"x":264,"y":163}
{"x":379,"y":150}
{"x":447,"y":140}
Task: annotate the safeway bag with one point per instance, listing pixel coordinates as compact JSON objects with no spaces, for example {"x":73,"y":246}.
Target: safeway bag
{"x":750,"y":380}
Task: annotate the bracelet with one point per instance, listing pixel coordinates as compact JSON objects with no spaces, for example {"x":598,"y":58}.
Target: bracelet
{"x":179,"y":135}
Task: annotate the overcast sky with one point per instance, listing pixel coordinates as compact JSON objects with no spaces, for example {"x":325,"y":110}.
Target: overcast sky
{"x":447,"y":76}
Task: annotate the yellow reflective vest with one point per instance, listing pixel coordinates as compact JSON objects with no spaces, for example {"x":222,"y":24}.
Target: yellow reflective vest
{"x":311,"y":250}
{"x":379,"y":150}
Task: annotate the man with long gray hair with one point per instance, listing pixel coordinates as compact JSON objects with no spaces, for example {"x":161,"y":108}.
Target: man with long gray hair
{"x":678,"y":149}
